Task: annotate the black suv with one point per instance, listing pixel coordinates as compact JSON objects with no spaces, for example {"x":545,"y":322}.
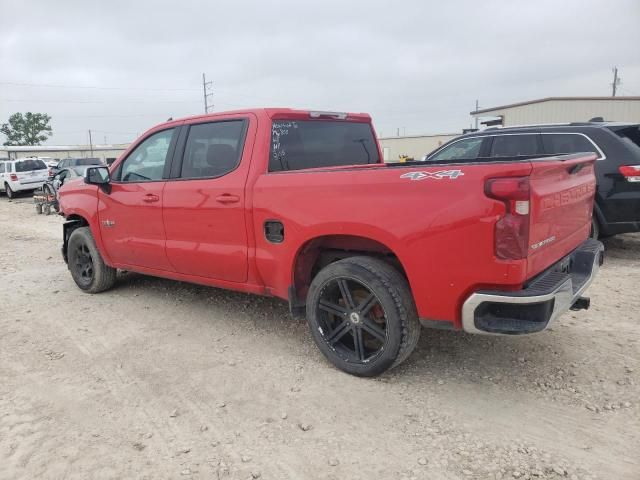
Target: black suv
{"x":617,"y":205}
{"x":73,"y":162}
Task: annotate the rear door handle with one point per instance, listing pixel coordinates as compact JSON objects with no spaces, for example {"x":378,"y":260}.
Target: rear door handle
{"x":150,"y":198}
{"x":227,"y":198}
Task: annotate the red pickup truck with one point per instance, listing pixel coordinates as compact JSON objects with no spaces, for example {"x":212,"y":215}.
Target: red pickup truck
{"x":299,"y":205}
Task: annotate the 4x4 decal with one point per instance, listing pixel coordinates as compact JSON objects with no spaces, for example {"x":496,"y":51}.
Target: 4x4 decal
{"x":452,"y":174}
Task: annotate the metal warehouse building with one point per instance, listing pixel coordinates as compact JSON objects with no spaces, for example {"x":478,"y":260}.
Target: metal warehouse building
{"x":103,"y":152}
{"x":561,"y":110}
{"x":415,"y":146}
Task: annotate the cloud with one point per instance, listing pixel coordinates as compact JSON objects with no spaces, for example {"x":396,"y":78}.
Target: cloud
{"x":412,"y":64}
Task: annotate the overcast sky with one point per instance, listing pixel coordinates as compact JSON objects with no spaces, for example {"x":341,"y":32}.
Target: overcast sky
{"x":414,"y":65}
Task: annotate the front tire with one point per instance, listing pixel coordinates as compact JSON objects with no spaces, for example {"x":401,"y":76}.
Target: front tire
{"x":87,"y":268}
{"x":362,"y":316}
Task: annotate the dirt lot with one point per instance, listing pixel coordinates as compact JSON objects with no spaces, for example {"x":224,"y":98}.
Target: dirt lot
{"x":160,"y":379}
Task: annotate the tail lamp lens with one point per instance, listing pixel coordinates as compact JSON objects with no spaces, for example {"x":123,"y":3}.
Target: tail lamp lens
{"x":13,"y":177}
{"x":512,"y":230}
{"x":631,"y":173}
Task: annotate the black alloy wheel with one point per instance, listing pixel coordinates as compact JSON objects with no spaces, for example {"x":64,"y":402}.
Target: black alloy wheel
{"x":83,"y":264}
{"x":352,"y":320}
{"x":362,"y":316}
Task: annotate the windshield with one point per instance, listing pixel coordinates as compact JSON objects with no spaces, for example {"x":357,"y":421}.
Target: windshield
{"x":29,"y":165}
{"x":297,"y":145}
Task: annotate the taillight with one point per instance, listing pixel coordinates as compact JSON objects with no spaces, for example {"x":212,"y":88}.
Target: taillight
{"x":631,"y":173}
{"x":13,"y":177}
{"x":51,"y":172}
{"x":512,"y":230}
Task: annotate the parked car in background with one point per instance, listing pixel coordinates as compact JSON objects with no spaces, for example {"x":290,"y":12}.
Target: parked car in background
{"x":22,"y":175}
{"x":617,"y":145}
{"x":299,"y":205}
{"x":46,"y":198}
{"x":67,"y":174}
{"x":74,"y":162}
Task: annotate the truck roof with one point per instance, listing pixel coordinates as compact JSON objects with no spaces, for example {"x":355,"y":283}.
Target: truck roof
{"x":276,"y":113}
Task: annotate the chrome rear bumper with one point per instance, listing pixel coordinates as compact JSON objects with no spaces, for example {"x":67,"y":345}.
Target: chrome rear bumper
{"x":541,"y":302}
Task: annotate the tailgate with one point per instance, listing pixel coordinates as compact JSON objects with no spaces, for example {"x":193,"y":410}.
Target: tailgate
{"x":562,"y":192}
{"x":34,"y":176}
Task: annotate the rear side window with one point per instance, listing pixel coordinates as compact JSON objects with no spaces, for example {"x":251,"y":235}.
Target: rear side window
{"x":213,"y":149}
{"x":563,"y":143}
{"x":467,"y":149}
{"x":630,"y":136}
{"x":514,"y":145}
{"x":30,"y":165}
{"x":296,"y":145}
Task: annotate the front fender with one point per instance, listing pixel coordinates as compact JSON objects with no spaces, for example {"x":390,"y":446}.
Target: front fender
{"x":81,"y":203}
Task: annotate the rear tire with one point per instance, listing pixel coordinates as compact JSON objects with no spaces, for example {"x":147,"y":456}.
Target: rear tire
{"x":362,"y":316}
{"x":10,"y":193}
{"x":87,"y":268}
{"x":39,"y":208}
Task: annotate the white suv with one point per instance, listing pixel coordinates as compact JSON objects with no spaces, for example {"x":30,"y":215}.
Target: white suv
{"x":22,"y":174}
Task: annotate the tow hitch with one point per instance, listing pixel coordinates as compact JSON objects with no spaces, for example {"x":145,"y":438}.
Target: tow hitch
{"x":582,"y":303}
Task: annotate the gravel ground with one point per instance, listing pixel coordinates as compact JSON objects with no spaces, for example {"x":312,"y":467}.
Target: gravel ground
{"x":161,"y":379}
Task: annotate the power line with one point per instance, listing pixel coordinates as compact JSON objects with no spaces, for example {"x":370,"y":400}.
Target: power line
{"x":95,"y":101}
{"x":626,"y":90}
{"x":46,"y":85}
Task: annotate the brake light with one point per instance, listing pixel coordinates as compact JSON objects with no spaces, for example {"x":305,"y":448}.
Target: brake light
{"x":13,"y":177}
{"x":631,"y":173}
{"x":512,"y":230}
{"x":51,"y":172}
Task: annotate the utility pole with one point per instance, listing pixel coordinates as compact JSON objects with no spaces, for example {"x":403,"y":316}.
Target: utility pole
{"x":476,"y":117}
{"x":616,"y":81}
{"x":90,"y":143}
{"x":206,"y":87}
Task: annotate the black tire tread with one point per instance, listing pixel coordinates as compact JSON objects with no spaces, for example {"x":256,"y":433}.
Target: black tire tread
{"x":399,"y":289}
{"x":395,"y":288}
{"x":104,"y":276}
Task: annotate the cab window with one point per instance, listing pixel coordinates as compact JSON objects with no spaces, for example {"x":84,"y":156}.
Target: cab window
{"x":213,"y":149}
{"x":146,"y":162}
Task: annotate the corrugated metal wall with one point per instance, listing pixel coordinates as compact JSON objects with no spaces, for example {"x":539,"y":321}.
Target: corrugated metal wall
{"x":562,"y":111}
{"x":414,"y":146}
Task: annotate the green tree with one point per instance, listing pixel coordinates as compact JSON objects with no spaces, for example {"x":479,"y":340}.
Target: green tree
{"x":27,"y":129}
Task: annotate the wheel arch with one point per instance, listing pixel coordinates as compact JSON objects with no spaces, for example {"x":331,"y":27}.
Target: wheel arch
{"x":76,"y":219}
{"x":322,"y":250}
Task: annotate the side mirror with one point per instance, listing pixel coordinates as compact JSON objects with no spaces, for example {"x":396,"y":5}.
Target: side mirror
{"x":97,"y":176}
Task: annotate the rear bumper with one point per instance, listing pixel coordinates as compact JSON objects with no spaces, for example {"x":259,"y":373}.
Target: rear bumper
{"x":19,"y":187}
{"x":545,"y":297}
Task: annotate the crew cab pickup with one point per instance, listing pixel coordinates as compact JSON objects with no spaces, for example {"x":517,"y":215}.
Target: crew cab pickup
{"x":299,"y":205}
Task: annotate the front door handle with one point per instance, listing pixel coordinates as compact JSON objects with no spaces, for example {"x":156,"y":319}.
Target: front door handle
{"x":150,"y":198}
{"x":227,"y":198}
